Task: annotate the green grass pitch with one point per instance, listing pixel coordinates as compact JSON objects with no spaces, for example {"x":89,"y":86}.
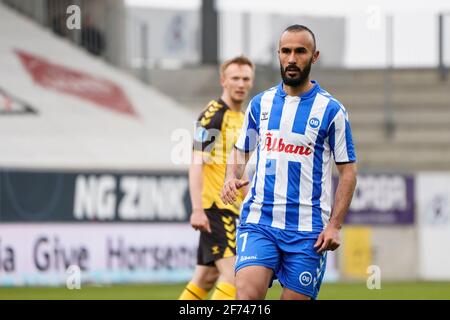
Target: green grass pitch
{"x":329,"y":291}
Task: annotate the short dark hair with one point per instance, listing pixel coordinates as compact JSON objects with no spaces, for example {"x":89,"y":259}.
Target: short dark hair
{"x":239,"y":60}
{"x":300,"y":27}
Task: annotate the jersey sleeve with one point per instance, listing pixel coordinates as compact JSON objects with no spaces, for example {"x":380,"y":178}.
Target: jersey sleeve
{"x":248,"y":138}
{"x":208,"y":127}
{"x":341,"y":140}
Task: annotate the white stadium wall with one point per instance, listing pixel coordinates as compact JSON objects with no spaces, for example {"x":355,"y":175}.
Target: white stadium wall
{"x":356,"y":34}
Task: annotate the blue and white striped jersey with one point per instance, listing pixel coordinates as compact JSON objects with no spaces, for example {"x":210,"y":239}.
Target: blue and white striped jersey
{"x":295,"y":138}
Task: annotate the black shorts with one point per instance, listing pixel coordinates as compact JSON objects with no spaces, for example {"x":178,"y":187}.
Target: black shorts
{"x":221,"y":242}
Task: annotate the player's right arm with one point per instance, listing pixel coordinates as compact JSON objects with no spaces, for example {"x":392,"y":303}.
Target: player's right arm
{"x":207,"y":131}
{"x":198,"y":220}
{"x":233,"y":178}
{"x":239,"y":157}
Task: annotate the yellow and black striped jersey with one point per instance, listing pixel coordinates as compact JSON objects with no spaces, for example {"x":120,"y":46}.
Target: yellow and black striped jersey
{"x":217,"y":130}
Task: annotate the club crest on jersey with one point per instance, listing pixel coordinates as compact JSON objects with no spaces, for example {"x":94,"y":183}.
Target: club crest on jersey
{"x":278,"y":145}
{"x":314,"y":123}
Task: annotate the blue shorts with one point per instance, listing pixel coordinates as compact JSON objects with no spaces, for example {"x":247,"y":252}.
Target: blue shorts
{"x":290,"y":254}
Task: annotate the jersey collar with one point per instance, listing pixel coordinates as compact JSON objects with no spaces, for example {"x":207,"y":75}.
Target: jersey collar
{"x":308,"y":94}
{"x":220,"y":101}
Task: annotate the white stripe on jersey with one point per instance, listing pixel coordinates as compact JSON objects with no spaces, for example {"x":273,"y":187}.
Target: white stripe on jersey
{"x":281,"y":183}
{"x":326,"y":187}
{"x":305,"y":213}
{"x":255,"y":208}
{"x":340,"y":150}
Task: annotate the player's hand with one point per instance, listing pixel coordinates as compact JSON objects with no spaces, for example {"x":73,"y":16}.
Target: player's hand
{"x":230,"y":190}
{"x":329,"y":239}
{"x":199,"y":220}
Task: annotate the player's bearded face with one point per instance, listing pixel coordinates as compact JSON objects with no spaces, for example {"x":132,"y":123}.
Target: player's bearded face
{"x":293,"y":76}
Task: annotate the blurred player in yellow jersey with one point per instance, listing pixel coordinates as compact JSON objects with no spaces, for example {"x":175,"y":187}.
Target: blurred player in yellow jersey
{"x":216,"y":132}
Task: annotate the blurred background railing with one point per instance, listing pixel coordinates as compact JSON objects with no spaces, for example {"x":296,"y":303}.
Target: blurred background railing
{"x":174,"y":37}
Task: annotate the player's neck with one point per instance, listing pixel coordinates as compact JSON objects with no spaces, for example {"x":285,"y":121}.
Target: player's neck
{"x":296,"y":91}
{"x":232,"y":105}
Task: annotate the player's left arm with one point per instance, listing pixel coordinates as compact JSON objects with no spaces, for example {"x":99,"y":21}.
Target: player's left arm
{"x":329,"y":239}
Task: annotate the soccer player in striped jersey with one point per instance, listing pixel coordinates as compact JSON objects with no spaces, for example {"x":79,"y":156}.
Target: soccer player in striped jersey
{"x":218,"y":128}
{"x":287,"y":220}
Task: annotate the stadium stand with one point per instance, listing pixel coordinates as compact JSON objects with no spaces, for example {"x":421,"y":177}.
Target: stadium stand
{"x":74,"y":109}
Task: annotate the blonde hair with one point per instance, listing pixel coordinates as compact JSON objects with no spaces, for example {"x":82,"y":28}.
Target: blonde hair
{"x":239,"y":60}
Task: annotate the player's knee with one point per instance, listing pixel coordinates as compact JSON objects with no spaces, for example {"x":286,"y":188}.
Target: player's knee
{"x":210,"y":279}
{"x":292,"y":295}
{"x":226,"y":269}
{"x":206,"y":280}
{"x":227,"y":276}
